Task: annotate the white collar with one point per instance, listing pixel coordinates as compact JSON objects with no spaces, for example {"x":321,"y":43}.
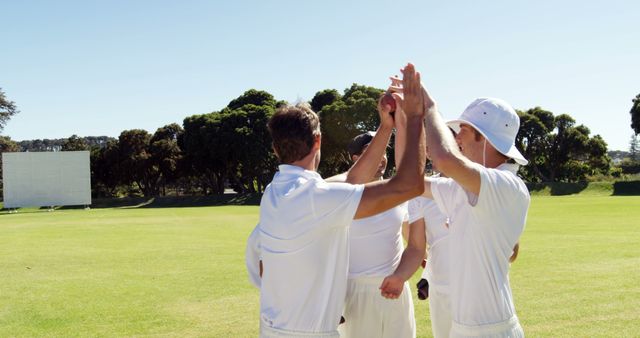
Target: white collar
{"x":511,"y":167}
{"x":288,"y":169}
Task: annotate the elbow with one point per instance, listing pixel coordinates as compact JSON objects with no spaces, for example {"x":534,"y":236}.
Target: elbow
{"x":418,"y":187}
{"x":351,"y":178}
{"x":414,"y":187}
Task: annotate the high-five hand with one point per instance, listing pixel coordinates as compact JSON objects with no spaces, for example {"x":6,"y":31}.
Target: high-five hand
{"x":413,"y":102}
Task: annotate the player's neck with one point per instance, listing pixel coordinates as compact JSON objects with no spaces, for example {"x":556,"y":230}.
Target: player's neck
{"x":308,"y":162}
{"x":495,"y":161}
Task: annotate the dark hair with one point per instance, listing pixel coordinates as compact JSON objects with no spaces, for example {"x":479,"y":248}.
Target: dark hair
{"x":293,"y":130}
{"x":358,"y":143}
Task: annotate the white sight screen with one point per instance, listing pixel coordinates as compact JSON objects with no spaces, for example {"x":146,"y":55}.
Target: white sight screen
{"x":46,"y":179}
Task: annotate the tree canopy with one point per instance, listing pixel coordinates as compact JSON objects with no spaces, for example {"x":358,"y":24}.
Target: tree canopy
{"x":6,"y":146}
{"x":7,"y":110}
{"x":341,"y":119}
{"x":558,"y":149}
{"x":231,"y":148}
{"x":635,"y":114}
{"x":74,"y":143}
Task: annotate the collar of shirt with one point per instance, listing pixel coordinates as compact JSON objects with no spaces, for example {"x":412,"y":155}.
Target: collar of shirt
{"x":294,"y":170}
{"x":512,"y":167}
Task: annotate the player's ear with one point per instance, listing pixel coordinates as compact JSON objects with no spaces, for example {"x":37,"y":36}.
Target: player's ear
{"x":317,"y":142}
{"x":275,"y":151}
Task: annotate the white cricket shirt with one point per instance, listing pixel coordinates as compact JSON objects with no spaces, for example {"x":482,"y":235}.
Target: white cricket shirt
{"x":376,"y":243}
{"x":482,"y":232}
{"x":302,"y":241}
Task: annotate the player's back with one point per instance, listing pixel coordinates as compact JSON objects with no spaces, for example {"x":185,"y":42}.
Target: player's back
{"x":304,"y":241}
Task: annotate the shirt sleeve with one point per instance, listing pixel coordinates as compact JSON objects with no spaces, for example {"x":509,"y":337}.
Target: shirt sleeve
{"x":498,"y":189}
{"x":253,"y":256}
{"x":502,"y":193}
{"x":444,"y":191}
{"x":336,"y":203}
{"x":405,"y":212}
{"x":415,"y":209}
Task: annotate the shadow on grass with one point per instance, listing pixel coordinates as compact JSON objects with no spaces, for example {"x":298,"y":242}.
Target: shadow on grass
{"x":4,"y":212}
{"x":621,"y":188}
{"x":155,"y":202}
{"x":173,"y":201}
{"x":559,"y":188}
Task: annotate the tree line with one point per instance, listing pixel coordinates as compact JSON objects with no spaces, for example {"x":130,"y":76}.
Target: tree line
{"x":231,"y":148}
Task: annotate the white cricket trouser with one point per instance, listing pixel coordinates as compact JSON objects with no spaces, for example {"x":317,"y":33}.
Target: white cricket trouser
{"x":508,"y":329}
{"x":271,"y":332}
{"x":368,"y":314}
{"x":440,"y":313}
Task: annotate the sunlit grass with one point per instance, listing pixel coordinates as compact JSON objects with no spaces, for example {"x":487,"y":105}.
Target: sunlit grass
{"x":179,"y":272}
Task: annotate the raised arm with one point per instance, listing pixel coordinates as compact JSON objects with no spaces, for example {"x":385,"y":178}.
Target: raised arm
{"x":366,"y":166}
{"x":400,"y":122}
{"x":444,"y":150}
{"x":408,"y":182}
{"x":364,"y":169}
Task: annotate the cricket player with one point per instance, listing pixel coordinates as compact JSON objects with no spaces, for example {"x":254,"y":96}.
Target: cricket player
{"x":301,"y":242}
{"x":376,"y":246}
{"x":428,"y":228}
{"x":486,"y":203}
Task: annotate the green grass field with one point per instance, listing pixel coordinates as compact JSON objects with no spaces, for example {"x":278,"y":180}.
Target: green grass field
{"x":179,"y":272}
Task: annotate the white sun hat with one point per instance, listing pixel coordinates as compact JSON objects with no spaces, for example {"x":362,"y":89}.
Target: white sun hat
{"x":497,"y":121}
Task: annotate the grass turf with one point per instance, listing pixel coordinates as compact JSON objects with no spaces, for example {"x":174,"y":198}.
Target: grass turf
{"x":176,"y":272}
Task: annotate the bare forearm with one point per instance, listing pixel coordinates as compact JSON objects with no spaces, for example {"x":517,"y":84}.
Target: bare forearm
{"x":401,"y":136}
{"x":409,"y":263}
{"x":411,"y":168}
{"x":441,"y":143}
{"x":365,"y":168}
{"x":407,"y":184}
{"x":446,"y":155}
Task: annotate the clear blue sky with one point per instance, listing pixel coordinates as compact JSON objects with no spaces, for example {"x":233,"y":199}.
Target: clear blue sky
{"x":101,"y":67}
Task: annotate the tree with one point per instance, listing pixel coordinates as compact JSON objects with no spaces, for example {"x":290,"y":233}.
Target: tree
{"x":166,"y":154}
{"x":59,"y":144}
{"x":42,"y":145}
{"x":251,"y":163}
{"x":634,"y":147}
{"x":557,"y":149}
{"x":635,"y":114}
{"x":134,"y":161}
{"x":253,"y":96}
{"x":7,"y":109}
{"x":231,"y":147}
{"x":599,"y":161}
{"x":105,"y":169}
{"x":533,"y":140}
{"x":97,"y":141}
{"x":354,"y":113}
{"x":324,"y":98}
{"x":74,"y":143}
{"x":6,"y":146}
{"x":205,"y":152}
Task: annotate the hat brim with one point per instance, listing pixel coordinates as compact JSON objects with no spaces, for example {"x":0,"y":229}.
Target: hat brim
{"x":511,"y":152}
